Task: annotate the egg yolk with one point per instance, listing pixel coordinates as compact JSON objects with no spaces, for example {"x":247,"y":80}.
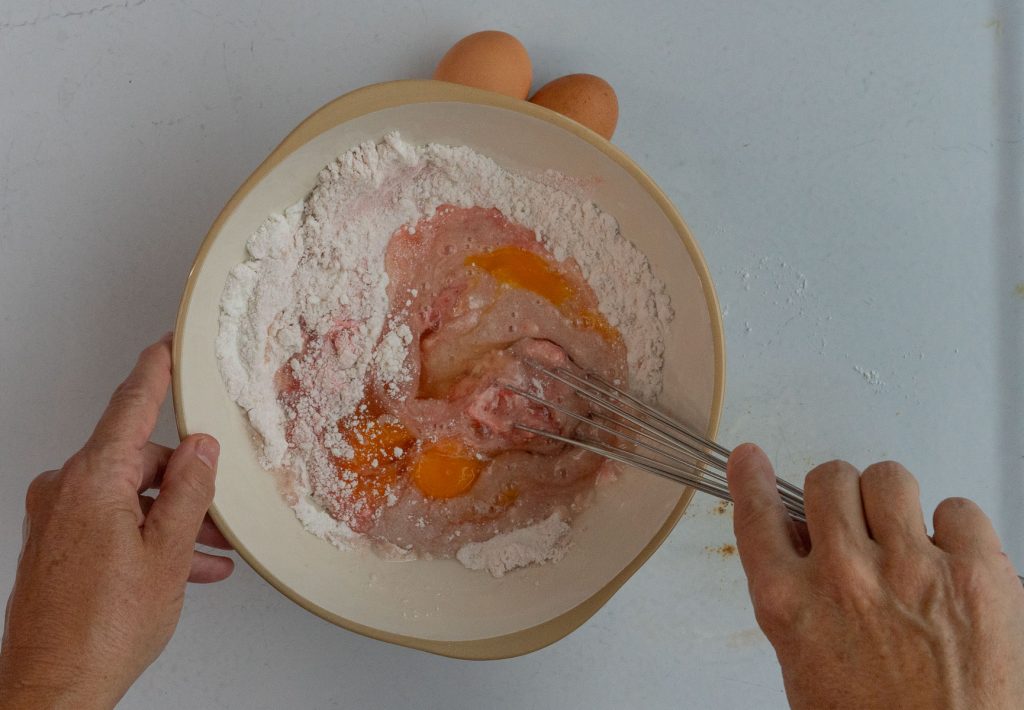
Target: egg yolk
{"x":377,"y":440}
{"x":379,"y":449}
{"x":524,"y":269}
{"x":446,"y":469}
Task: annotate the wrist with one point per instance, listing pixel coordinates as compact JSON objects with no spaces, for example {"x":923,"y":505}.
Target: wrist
{"x":35,"y":686}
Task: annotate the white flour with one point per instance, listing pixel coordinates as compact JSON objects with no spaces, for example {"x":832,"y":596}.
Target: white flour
{"x":321,"y":263}
{"x":544,"y":542}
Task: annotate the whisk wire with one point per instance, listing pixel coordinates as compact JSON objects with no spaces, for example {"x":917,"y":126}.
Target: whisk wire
{"x":642,"y":462}
{"x":595,"y":421}
{"x":692,"y":435}
{"x":631,"y":420}
{"x":690,"y":469}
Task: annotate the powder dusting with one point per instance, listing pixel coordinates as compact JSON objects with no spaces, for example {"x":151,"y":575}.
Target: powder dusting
{"x":544,"y":542}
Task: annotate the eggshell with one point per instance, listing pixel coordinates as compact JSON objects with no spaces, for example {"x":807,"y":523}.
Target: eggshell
{"x":491,"y":60}
{"x":584,"y":98}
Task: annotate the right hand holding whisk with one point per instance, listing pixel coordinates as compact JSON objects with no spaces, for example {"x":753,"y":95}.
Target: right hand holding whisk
{"x":864,"y":609}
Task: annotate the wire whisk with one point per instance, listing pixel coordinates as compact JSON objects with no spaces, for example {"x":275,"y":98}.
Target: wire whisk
{"x":656,"y":442}
{"x":669,"y":448}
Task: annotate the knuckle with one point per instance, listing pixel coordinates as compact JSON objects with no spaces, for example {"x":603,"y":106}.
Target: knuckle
{"x":886,"y":472}
{"x":972,"y":579}
{"x":752,"y":516}
{"x":841,"y":570}
{"x":827,"y":472}
{"x":197,"y":485}
{"x":909,"y":572}
{"x":38,"y":491}
{"x":890,"y":466}
{"x":890,"y":487}
{"x":85,"y":475}
{"x":776,"y":602}
{"x":850,"y":581}
{"x":79,"y":462}
{"x":127,"y":393}
{"x":83,"y":465}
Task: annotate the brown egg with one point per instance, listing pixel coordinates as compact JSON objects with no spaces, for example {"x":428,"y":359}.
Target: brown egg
{"x":584,"y":98}
{"x":491,"y":60}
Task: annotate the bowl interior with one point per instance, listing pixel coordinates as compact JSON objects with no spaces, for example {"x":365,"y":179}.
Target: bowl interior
{"x":439,"y":605}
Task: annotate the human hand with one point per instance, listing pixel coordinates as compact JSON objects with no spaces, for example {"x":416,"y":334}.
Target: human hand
{"x":866,"y":611}
{"x":101,"y":578}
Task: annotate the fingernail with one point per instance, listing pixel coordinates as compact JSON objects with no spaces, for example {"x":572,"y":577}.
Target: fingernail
{"x":207,"y":451}
{"x":167,"y":337}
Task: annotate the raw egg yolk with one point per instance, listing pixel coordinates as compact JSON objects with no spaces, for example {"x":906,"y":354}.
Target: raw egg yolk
{"x":524,"y":269}
{"x":446,"y":469}
{"x":520,"y":268}
{"x":379,"y":448}
{"x":377,"y":440}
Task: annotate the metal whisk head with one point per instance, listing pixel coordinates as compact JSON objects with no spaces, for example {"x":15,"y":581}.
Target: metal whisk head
{"x":651,"y":440}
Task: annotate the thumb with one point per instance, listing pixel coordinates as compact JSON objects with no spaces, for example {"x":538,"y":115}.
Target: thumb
{"x":185,"y":495}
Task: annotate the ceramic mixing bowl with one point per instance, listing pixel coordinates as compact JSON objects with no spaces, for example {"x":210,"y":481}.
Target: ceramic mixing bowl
{"x":438,"y":605}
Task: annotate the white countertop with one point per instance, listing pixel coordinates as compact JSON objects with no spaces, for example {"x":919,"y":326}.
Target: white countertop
{"x":853,"y":172}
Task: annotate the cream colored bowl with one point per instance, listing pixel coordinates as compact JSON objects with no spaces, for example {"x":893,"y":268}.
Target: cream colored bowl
{"x":439,"y":606}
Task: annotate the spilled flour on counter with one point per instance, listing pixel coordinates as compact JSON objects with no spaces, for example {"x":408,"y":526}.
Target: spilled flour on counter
{"x":321,"y":264}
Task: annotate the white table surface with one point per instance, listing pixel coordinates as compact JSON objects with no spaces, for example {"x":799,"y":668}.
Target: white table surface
{"x":853,"y":172}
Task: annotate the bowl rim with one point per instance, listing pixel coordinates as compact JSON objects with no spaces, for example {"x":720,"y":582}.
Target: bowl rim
{"x":376,"y":97}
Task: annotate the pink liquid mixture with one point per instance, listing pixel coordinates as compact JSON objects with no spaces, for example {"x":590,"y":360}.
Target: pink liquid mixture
{"x":433,"y":460}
